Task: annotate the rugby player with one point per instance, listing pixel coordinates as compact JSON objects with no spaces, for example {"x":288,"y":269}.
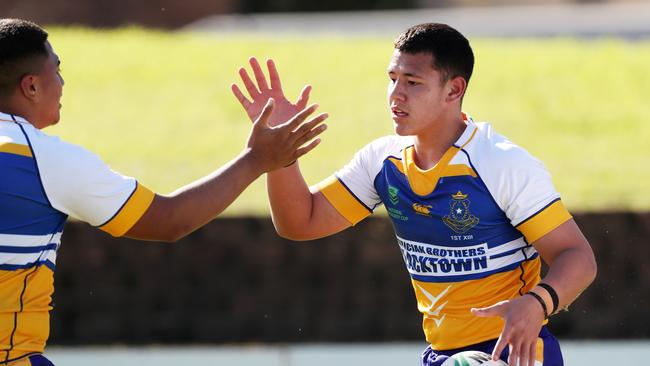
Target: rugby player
{"x":45,"y":180}
{"x":474,"y":213}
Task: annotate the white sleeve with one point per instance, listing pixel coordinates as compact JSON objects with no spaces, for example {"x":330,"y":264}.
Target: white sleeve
{"x":78,"y":183}
{"x":351,"y":190}
{"x":524,"y":190}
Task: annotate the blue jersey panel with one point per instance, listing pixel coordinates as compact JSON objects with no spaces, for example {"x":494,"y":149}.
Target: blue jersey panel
{"x":26,"y":210}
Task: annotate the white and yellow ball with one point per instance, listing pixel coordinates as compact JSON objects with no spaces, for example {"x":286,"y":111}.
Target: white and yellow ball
{"x":472,"y":358}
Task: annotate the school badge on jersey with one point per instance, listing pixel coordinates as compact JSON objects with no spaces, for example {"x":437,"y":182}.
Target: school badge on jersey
{"x":460,"y":219}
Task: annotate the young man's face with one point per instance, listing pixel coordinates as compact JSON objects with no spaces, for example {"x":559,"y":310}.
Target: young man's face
{"x":49,"y":89}
{"x":415,"y":93}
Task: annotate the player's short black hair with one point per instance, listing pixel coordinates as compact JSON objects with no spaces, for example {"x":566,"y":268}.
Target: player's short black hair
{"x":22,"y":47}
{"x":452,"y":54}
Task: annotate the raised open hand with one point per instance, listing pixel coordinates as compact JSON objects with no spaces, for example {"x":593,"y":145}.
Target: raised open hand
{"x":260,"y":93}
{"x":273,"y":147}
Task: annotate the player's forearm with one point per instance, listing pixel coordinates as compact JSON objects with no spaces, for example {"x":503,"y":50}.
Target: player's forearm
{"x":192,"y":206}
{"x":571,"y":272}
{"x":291,"y":202}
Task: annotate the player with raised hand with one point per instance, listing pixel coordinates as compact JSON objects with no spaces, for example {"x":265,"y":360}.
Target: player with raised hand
{"x":45,"y":180}
{"x":474,"y":214}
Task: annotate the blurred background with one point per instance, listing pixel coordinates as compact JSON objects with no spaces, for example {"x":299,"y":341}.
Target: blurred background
{"x":148,"y":89}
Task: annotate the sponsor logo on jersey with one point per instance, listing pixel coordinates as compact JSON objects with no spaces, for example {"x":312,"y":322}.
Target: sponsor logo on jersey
{"x":393,"y":194}
{"x":421,"y":209}
{"x":460,"y":219}
{"x":396,"y":214}
{"x":423,"y":259}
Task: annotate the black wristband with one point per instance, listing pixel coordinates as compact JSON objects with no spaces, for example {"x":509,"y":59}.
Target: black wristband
{"x":553,"y":294}
{"x":541,"y":302}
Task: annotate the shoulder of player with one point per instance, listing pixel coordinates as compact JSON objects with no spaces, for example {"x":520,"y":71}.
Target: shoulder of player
{"x":492,"y":151}
{"x":385,"y":146}
{"x":50,"y":150}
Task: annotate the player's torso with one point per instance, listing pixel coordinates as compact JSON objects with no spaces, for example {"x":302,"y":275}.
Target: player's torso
{"x":459,"y":247}
{"x":30,"y":233}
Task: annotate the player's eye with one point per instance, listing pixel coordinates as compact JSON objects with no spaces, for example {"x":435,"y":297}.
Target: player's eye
{"x":412,"y":82}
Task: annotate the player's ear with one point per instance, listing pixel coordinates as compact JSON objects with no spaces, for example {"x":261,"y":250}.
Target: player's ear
{"x":29,"y":86}
{"x":456,"y":87}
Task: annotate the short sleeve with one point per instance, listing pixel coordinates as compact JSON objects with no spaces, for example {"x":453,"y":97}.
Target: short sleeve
{"x":78,"y":183}
{"x":524,"y":189}
{"x":351,"y":190}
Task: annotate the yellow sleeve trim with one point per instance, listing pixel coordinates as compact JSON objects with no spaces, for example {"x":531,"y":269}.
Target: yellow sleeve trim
{"x":544,"y":221}
{"x":342,"y":200}
{"x":16,"y":149}
{"x":131,"y":212}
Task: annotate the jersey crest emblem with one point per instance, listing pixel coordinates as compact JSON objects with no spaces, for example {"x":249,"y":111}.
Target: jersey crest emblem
{"x":460,"y":219}
{"x":392,"y":194}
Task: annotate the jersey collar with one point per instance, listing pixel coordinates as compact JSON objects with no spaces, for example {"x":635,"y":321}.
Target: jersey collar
{"x":468,"y":134}
{"x":5,"y":117}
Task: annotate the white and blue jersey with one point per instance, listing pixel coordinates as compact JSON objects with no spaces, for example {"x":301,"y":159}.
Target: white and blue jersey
{"x":45,"y":180}
{"x":464,"y":227}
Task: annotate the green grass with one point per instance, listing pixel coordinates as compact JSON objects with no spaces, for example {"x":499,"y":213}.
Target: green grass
{"x":157,"y":106}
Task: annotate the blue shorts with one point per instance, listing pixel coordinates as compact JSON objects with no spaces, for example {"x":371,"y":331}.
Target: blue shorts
{"x":32,"y":360}
{"x":552,"y":352}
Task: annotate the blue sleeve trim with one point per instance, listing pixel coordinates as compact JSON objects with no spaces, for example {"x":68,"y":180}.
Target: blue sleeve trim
{"x":538,"y":211}
{"x":121,"y":207}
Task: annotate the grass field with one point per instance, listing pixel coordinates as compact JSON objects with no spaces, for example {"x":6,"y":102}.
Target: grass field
{"x":157,"y":106}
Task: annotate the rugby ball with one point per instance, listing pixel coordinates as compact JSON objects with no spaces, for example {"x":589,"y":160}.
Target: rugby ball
{"x":472,"y":358}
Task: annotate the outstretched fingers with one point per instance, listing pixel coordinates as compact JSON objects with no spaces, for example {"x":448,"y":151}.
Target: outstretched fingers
{"x":240,"y":96}
{"x":297,"y":120}
{"x":248,"y":83}
{"x":274,"y":76}
{"x":532,"y":353}
{"x":263,"y":119}
{"x":259,"y":74}
{"x":501,"y":345}
{"x":307,"y":148}
{"x":303,"y":98}
{"x":310,"y":129}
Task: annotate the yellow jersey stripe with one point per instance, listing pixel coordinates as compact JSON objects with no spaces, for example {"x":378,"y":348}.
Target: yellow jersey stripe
{"x":342,"y":200}
{"x":544,"y":221}
{"x":470,"y":138}
{"x":456,"y":170}
{"x":423,"y":182}
{"x":17,"y":149}
{"x":131,"y":212}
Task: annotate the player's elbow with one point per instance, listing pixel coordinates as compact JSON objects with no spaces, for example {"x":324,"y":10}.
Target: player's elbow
{"x":591,"y":267}
{"x":290,"y":233}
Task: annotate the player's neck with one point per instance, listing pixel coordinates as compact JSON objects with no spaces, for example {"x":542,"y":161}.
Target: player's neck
{"x":11,"y":107}
{"x":431,"y":146}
